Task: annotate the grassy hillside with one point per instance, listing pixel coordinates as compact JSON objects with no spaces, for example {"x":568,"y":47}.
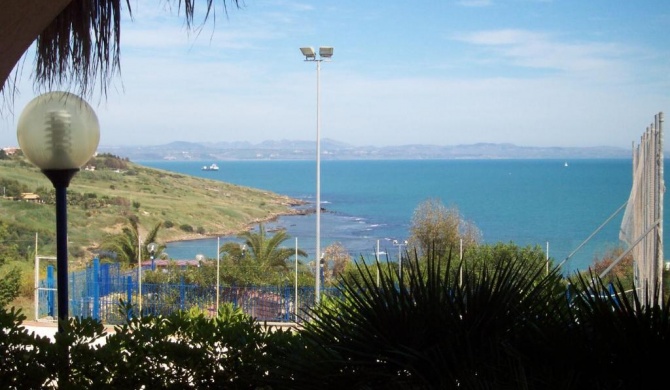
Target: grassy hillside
{"x":100,"y":202}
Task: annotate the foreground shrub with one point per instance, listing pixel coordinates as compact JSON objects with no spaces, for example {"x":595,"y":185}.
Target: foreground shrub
{"x":10,"y":284}
{"x":509,"y":325}
{"x":27,"y":360}
{"x":180,"y":351}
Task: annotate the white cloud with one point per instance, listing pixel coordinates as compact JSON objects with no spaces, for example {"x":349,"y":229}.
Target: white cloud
{"x":475,"y":3}
{"x":395,"y":79}
{"x":530,"y":49}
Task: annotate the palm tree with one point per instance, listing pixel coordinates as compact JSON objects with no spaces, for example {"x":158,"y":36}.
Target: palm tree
{"x":266,"y":252}
{"x":125,"y":244}
{"x":77,"y":41}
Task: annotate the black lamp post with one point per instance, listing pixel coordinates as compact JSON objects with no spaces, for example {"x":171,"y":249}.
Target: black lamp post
{"x":59,"y":132}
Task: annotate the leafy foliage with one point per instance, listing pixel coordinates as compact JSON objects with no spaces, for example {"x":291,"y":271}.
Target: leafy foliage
{"x":10,"y":283}
{"x":622,"y":271}
{"x":27,"y":359}
{"x":336,"y":260}
{"x":185,"y":350}
{"x":437,"y":228}
{"x":126,"y":244}
{"x":12,"y":188}
{"x":16,"y":238}
{"x":508,"y":324}
{"x":108,"y":161}
{"x":260,"y":259}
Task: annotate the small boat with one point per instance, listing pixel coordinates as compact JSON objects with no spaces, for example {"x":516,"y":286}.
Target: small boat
{"x":212,"y":167}
{"x":566,"y":164}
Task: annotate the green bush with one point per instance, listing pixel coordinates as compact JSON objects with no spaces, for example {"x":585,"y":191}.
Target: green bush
{"x":10,"y":283}
{"x":28,"y":361}
{"x":186,"y":227}
{"x":180,"y":351}
{"x":506,"y":325}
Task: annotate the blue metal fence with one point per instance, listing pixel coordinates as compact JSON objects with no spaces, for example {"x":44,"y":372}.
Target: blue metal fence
{"x":97,"y":291}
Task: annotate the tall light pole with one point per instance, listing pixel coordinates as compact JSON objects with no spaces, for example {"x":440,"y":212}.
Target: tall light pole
{"x":325,"y":54}
{"x":400,"y":245}
{"x":59,"y":132}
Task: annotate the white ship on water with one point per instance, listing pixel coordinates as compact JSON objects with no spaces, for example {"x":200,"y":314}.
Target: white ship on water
{"x":212,"y":167}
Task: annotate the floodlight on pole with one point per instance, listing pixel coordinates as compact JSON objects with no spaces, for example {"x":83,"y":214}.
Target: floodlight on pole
{"x":152,"y":247}
{"x":325,"y":54}
{"x":59,"y":132}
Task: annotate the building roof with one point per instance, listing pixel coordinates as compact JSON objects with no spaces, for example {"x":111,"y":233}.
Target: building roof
{"x":164,"y":263}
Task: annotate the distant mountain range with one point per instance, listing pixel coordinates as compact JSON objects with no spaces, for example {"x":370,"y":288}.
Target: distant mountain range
{"x":335,"y":150}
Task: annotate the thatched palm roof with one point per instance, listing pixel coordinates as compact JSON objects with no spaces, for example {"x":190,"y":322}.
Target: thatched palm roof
{"x":77,"y":41}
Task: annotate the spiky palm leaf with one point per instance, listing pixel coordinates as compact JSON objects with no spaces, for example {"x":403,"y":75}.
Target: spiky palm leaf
{"x":432,"y":331}
{"x":125,"y":244}
{"x":77,"y":41}
{"x":266,"y":250}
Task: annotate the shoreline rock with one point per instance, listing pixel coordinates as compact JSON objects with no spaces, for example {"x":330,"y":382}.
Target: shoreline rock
{"x":296,"y":210}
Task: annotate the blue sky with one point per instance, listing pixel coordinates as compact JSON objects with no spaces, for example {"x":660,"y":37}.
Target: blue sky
{"x":527,"y":72}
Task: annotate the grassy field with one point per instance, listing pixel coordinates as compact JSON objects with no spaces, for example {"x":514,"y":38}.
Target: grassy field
{"x":209,"y":207}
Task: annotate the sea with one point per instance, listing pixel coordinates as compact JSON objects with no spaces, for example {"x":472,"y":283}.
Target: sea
{"x":571,"y":209}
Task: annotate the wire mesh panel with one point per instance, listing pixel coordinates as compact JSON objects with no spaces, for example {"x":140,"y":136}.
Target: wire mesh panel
{"x":104,"y":292}
{"x":642,"y":225}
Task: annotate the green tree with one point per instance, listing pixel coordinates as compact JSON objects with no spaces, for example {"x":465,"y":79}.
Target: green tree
{"x":260,"y":253}
{"x":12,"y":188}
{"x":10,"y":284}
{"x":621,"y":272}
{"x":126,"y":243}
{"x":501,"y":253}
{"x":9,"y":248}
{"x":439,"y":229}
{"x":336,"y":260}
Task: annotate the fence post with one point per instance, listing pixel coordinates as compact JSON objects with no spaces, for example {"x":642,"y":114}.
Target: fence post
{"x":287,"y":300}
{"x":72,"y":289}
{"x":181,"y":293}
{"x":104,"y":279}
{"x":129,"y":294}
{"x":96,"y":288}
{"x":50,"y":292}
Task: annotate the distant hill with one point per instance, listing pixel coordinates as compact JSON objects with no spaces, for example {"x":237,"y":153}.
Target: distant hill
{"x":335,"y":150}
{"x":101,"y":200}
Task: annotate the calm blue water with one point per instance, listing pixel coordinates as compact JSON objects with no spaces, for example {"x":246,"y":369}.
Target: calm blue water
{"x":529,"y":202}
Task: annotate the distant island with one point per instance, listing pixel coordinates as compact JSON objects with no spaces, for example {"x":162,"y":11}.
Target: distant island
{"x":335,"y":150}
